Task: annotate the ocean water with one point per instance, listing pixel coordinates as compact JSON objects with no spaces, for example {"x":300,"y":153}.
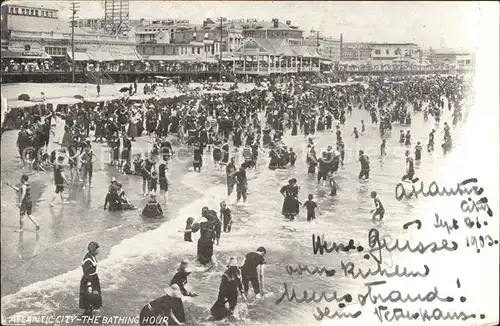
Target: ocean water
{"x":138,"y":258}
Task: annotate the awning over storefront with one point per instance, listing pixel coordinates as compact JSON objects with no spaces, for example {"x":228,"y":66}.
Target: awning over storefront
{"x":31,"y":55}
{"x":125,"y":54}
{"x":133,"y":56}
{"x":80,"y":56}
{"x":117,"y":55}
{"x":100,"y":56}
{"x":180,"y":58}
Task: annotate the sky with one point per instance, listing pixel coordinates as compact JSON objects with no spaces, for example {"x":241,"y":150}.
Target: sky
{"x":425,"y":23}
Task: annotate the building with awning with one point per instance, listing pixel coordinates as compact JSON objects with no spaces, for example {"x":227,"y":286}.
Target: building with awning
{"x":100,"y":55}
{"x":180,"y":58}
{"x":25,"y":55}
{"x":79,"y":56}
{"x":456,"y":58}
{"x":35,"y":32}
{"x":263,"y":56}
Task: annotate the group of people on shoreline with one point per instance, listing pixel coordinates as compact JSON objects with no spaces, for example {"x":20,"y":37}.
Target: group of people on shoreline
{"x":210,"y":123}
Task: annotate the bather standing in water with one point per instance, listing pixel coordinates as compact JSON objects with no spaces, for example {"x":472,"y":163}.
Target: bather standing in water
{"x":209,"y":233}
{"x":291,"y":204}
{"x":230,"y":286}
{"x":90,"y":288}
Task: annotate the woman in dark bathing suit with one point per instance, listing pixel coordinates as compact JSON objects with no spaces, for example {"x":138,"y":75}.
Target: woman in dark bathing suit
{"x":290,"y":204}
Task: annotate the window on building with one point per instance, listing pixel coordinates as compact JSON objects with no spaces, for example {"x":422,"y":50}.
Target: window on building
{"x":467,"y":62}
{"x":377,"y":51}
{"x":36,"y":12}
{"x":192,"y":50}
{"x":27,"y":47}
{"x":32,"y":12}
{"x":199,"y":50}
{"x":23,"y":11}
{"x":387,"y":51}
{"x":398,"y":51}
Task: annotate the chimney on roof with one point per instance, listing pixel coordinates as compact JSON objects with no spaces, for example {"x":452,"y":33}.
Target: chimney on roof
{"x":275,"y":22}
{"x":205,"y":23}
{"x":289,"y":22}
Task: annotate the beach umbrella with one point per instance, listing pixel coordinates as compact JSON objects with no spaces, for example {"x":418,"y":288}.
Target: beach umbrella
{"x":78,"y":97}
{"x":124,"y":89}
{"x":23,"y":97}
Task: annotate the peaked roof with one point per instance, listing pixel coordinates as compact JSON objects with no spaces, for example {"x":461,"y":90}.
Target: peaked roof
{"x":264,"y":46}
{"x":276,"y":47}
{"x":285,"y":49}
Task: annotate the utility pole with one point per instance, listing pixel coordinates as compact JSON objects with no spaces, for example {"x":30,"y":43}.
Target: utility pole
{"x":74,"y":8}
{"x":220,"y":50}
{"x":317,"y":50}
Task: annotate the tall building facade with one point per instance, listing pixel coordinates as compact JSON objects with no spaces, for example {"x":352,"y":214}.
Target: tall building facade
{"x":388,"y":52}
{"x":275,"y":29}
{"x":356,"y":51}
{"x":329,"y":48}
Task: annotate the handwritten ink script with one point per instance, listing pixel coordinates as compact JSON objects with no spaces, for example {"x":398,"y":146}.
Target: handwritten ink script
{"x":375,"y":296}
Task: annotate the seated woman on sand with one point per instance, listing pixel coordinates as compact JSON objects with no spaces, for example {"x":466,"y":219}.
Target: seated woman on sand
{"x":152,"y":209}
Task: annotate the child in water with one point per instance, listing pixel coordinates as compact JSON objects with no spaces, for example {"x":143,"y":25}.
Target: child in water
{"x":379,"y":208}
{"x":127,"y":168}
{"x":293,"y":157}
{"x":362,"y":126}
{"x":418,"y":151}
{"x":225,"y":216}
{"x":333,"y":184}
{"x":311,"y":207}
{"x":383,"y":148}
{"x":355,"y":133}
{"x":402,"y":137}
{"x":153,"y":182}
{"x":188,"y":231}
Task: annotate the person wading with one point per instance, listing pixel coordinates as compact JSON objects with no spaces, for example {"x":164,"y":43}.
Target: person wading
{"x":25,"y":203}
{"x":209,"y":233}
{"x":229,"y":288}
{"x":90,"y":288}
{"x":250,"y":274}
{"x":166,"y":310}
{"x":180,"y":278}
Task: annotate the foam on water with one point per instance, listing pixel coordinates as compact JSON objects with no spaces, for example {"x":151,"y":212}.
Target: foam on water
{"x":155,"y":244}
{"x":258,"y":222}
